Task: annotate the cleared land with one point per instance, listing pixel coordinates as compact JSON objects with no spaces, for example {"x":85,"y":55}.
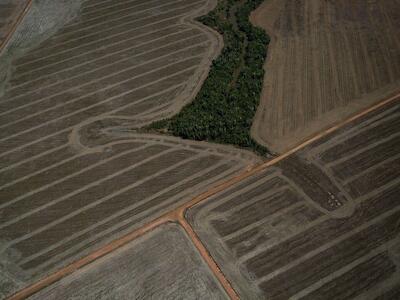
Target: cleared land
{"x":320,"y":224}
{"x":140,"y":270}
{"x":9,"y":11}
{"x":327,"y":60}
{"x":57,"y":208}
{"x":74,"y":176}
{"x":124,"y":58}
{"x":71,"y":177}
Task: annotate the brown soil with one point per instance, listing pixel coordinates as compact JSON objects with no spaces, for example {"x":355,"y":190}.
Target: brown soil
{"x":322,"y":223}
{"x":73,"y":175}
{"x":10,"y":10}
{"x":55,"y":149}
{"x":302,"y":213}
{"x":141,"y":271}
{"x":327,"y":60}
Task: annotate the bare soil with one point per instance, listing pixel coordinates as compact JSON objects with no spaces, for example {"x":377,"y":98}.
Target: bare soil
{"x":140,"y":270}
{"x":322,"y":223}
{"x":9,"y":12}
{"x":74,"y":173}
{"x":327,"y":60}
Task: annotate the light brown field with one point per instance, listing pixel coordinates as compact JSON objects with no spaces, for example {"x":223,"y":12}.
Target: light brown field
{"x":139,"y":270}
{"x":327,"y":60}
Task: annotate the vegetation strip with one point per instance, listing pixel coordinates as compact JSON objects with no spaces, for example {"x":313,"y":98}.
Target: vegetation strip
{"x":224,"y":108}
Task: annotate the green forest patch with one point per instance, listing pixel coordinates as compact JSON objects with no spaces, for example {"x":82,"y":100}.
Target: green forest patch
{"x":225,"y":106}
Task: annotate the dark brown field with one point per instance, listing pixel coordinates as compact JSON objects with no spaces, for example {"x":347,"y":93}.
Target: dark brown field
{"x":328,"y":59}
{"x":323,"y":223}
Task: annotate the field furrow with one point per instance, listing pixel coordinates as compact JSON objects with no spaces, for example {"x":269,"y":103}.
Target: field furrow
{"x":349,"y":53}
{"x":74,"y":172}
{"x":322,"y":223}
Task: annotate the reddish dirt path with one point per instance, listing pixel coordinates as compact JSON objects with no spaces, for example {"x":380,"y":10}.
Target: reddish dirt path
{"x":178,"y":216}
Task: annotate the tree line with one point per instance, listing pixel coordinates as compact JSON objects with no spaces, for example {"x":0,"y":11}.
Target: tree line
{"x":225,"y":106}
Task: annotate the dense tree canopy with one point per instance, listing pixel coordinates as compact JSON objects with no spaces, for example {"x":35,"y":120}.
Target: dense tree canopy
{"x":224,"y":108}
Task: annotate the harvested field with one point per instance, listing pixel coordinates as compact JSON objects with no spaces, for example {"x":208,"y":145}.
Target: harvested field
{"x":9,"y":11}
{"x":327,"y":60}
{"x":72,"y":176}
{"x":322,"y":223}
{"x":140,"y":270}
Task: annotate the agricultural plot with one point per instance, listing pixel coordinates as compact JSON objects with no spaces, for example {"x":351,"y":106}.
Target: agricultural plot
{"x":9,"y":10}
{"x":327,"y":60}
{"x":140,"y":270}
{"x":322,"y":223}
{"x":72,"y":176}
{"x":58,"y":207}
{"x":119,"y":58}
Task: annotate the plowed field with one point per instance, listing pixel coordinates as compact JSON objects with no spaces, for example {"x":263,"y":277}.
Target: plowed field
{"x":140,"y":271}
{"x":327,"y":60}
{"x":321,"y":224}
{"x":72,"y":177}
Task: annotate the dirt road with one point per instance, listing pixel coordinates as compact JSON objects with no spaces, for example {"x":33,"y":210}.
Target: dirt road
{"x":302,"y":213}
